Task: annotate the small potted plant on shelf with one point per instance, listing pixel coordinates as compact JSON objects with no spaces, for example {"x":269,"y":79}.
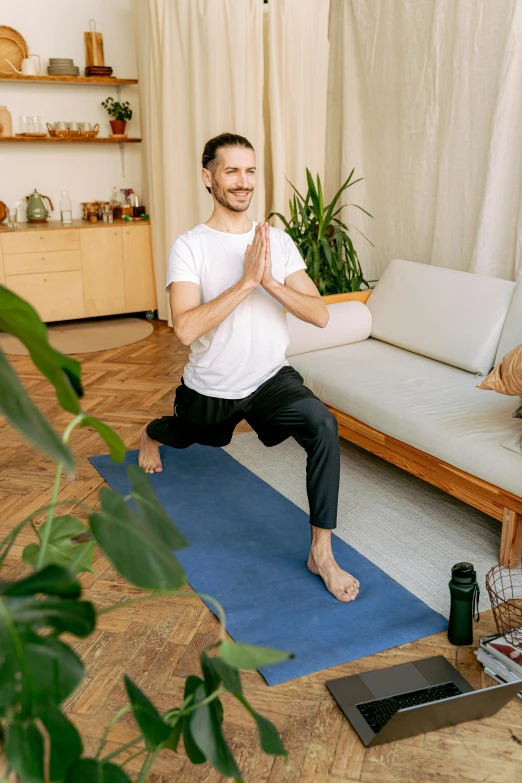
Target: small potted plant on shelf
{"x":121,"y":113}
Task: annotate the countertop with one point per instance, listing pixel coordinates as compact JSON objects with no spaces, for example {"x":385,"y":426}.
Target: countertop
{"x":53,"y":225}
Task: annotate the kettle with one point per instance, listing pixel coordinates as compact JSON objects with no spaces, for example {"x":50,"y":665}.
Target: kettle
{"x":37,"y":212}
{"x":28,"y":66}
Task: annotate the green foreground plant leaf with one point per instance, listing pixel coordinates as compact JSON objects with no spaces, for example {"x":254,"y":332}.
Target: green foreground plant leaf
{"x":249,"y":656}
{"x":152,"y":511}
{"x":51,"y":580}
{"x":66,"y":744}
{"x":70,"y":545}
{"x":132,"y":544}
{"x":205,"y":728}
{"x":19,"y":318}
{"x":24,"y":748}
{"x":216,"y":670}
{"x":268,"y":733}
{"x":92,"y":771}
{"x":23,"y":414}
{"x":61,"y":614}
{"x":152,"y":725}
{"x":113,"y":441}
{"x":196,"y":756}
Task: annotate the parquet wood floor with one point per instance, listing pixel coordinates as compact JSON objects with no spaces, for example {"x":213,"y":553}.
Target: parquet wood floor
{"x":157,"y":643}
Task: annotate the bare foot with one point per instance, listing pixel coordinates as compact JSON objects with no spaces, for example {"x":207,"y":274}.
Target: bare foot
{"x":149,"y":457}
{"x":339,"y":583}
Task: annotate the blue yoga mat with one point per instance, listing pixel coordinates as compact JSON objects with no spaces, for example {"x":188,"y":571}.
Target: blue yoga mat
{"x":249,"y":546}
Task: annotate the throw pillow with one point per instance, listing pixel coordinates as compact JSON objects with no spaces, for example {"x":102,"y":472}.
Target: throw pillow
{"x":506,"y":377}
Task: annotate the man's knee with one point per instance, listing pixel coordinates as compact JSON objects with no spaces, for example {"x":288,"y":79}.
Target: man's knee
{"x":321,"y":421}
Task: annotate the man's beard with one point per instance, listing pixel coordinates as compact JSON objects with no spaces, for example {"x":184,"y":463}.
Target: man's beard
{"x":221,"y":197}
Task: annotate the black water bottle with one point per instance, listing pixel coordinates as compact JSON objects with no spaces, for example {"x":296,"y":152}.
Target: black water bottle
{"x":465,"y":595}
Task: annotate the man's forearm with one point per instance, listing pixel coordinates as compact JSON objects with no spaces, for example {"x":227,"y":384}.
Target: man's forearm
{"x":311,"y":309}
{"x":194,"y":323}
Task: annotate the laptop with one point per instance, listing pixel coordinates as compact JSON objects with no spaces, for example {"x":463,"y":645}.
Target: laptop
{"x":414,"y":698}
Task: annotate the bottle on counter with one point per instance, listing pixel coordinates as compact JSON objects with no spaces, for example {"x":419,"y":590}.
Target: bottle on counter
{"x":65,"y":208}
{"x":115,"y":198}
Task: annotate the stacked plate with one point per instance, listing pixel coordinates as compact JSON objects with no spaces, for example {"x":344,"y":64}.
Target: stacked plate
{"x":62,"y":66}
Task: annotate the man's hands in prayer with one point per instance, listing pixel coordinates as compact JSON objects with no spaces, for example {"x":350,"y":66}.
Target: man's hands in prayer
{"x":267,"y":278}
{"x":258,"y":261}
{"x":255,"y":258}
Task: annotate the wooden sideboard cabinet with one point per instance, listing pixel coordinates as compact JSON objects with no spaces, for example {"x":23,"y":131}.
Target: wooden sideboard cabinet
{"x":79,"y":272}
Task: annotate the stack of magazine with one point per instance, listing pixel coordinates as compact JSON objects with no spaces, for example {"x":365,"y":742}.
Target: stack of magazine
{"x":500,"y":659}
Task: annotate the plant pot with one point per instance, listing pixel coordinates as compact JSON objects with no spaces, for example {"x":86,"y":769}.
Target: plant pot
{"x":118,"y":126}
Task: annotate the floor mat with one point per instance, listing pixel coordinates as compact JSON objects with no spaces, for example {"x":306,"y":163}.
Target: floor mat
{"x":248,"y":550}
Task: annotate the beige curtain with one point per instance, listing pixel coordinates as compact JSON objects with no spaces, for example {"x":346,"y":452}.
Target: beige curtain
{"x":425,"y":101}
{"x":201,"y":73}
{"x":295,"y":113}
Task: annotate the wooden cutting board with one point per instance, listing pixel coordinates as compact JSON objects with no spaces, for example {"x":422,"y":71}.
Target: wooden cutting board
{"x":93,"y":42}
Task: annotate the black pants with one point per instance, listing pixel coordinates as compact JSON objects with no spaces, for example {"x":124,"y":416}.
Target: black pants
{"x":280,"y":408}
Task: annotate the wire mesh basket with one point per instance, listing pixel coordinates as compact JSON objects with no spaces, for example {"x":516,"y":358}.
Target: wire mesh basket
{"x":504,"y":585}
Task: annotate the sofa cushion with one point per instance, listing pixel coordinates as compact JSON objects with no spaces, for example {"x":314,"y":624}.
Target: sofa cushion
{"x":349,"y":322}
{"x":454,"y":317}
{"x":429,"y":405}
{"x":514,"y":443}
{"x":512,"y":331}
{"x":506,"y":377}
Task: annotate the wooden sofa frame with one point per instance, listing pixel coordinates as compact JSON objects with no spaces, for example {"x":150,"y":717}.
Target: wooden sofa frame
{"x":496,"y":502}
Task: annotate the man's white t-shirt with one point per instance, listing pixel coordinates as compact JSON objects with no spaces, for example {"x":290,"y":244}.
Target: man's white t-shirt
{"x":248,"y":347}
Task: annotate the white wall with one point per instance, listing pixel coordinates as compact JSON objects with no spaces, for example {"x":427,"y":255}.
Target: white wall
{"x":54,"y":28}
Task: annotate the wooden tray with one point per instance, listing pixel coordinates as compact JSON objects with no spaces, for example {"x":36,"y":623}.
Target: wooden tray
{"x":12,"y":47}
{"x":30,"y":135}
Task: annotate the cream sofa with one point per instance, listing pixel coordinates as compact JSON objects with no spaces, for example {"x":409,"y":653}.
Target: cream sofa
{"x":400,"y":374}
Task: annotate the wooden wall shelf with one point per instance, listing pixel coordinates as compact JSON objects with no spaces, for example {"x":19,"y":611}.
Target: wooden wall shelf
{"x":54,"y":140}
{"x":46,"y":79}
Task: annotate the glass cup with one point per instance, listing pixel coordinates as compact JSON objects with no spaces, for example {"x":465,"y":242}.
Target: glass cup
{"x":107,"y":213}
{"x":12,"y":218}
{"x":23,"y":124}
{"x":33,"y":125}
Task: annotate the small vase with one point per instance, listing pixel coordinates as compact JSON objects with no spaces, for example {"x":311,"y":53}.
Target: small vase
{"x":118,"y":127}
{"x":6,"y":125}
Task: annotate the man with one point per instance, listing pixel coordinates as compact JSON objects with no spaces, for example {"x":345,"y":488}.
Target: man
{"x":229,"y":282}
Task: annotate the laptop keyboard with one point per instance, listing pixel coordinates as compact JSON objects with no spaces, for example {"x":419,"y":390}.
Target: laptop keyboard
{"x":377,"y":713}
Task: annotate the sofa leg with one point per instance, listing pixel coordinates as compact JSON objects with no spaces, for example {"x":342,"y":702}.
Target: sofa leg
{"x":511,"y":542}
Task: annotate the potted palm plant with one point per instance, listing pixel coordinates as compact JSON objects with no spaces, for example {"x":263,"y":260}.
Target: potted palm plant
{"x":121,"y":113}
{"x":323,"y":238}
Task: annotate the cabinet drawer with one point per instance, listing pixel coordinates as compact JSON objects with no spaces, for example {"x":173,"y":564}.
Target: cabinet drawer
{"x":37,"y":241}
{"x":56,"y":296}
{"x":54,"y":261}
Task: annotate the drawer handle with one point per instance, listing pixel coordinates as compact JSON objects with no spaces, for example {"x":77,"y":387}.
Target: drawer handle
{"x":45,"y":280}
{"x":41,"y":238}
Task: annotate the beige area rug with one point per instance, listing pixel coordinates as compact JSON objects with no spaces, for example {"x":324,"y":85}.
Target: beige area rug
{"x":86,"y":336}
{"x":411,"y":530}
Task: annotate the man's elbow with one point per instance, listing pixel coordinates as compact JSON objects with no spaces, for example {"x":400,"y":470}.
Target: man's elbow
{"x":181,"y":333}
{"x":323,"y":319}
